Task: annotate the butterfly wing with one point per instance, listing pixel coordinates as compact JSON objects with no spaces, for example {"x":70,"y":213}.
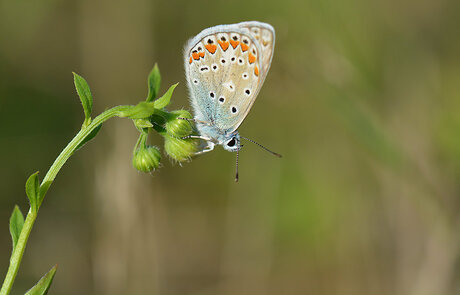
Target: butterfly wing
{"x":225,"y":67}
{"x":265,"y":35}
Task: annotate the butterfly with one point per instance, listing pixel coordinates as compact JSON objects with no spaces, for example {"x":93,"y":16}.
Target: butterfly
{"x":225,"y":68}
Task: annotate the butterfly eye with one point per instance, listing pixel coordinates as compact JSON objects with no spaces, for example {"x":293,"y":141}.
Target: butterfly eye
{"x":232,"y":142}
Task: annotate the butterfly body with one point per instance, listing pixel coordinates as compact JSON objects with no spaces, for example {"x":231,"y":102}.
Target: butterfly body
{"x":225,"y":67}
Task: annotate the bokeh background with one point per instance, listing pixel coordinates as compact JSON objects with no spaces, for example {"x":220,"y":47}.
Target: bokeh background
{"x":362,"y":99}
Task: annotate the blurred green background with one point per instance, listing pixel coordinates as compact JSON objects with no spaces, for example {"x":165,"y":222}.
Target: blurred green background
{"x":362,"y":99}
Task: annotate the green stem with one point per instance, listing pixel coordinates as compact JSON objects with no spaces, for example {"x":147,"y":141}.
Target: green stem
{"x":18,"y":251}
{"x":72,"y":146}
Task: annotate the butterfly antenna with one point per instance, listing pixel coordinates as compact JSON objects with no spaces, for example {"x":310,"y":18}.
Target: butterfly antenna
{"x":271,"y":152}
{"x":237,"y":154}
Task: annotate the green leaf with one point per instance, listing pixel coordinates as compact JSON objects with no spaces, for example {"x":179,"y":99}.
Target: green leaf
{"x":140,"y":111}
{"x":42,"y":287}
{"x":153,"y":83}
{"x":33,"y":191}
{"x":166,"y":98}
{"x":85,"y":96}
{"x":16,"y":224}
{"x":158,"y":121}
{"x":43,"y":190}
{"x":89,"y":137}
{"x":142,"y":123}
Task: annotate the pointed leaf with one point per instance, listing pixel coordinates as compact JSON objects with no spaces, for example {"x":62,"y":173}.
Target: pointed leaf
{"x":158,"y":121}
{"x":166,"y":98}
{"x":42,"y":287}
{"x":142,"y":123}
{"x":140,"y":111}
{"x":85,"y":96}
{"x":43,"y":190}
{"x":33,"y":191}
{"x":153,"y":83}
{"x":16,"y":224}
{"x":89,"y":137}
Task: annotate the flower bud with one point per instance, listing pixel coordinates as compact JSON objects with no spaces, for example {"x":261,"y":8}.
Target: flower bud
{"x":178,"y":127}
{"x":180,"y":149}
{"x":147,"y":159}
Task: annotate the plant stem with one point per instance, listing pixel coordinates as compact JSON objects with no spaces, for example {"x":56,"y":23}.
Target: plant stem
{"x":68,"y":151}
{"x":18,"y":252}
{"x":72,"y":146}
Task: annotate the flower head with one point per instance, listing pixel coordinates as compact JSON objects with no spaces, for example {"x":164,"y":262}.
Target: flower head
{"x":177,"y":127}
{"x":147,"y":159}
{"x":180,"y":149}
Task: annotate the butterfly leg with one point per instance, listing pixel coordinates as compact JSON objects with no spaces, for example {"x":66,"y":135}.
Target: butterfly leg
{"x":209,"y":147}
{"x":209,"y":144}
{"x":197,"y":137}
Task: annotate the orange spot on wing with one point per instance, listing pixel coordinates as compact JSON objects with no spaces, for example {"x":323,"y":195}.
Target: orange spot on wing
{"x":201,"y":53}
{"x":251,"y":58}
{"x":244,"y":47}
{"x":195,"y":55}
{"x":190,"y":61}
{"x":211,"y":48}
{"x":234,"y":43}
{"x":256,"y":71}
{"x":223,"y":44}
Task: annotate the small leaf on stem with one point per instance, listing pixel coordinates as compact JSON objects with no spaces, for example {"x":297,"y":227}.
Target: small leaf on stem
{"x":85,"y":96}
{"x":33,"y":191}
{"x":16,"y":224}
{"x":142,"y":123}
{"x":166,"y":98}
{"x":42,"y":287}
{"x":153,"y":82}
{"x":140,"y":111}
{"x":43,"y":190}
{"x":89,"y":137}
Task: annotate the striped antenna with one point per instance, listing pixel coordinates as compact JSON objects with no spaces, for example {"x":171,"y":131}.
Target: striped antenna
{"x":237,"y":154}
{"x":271,"y":152}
